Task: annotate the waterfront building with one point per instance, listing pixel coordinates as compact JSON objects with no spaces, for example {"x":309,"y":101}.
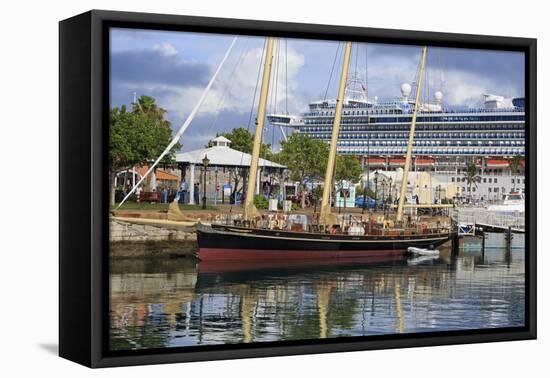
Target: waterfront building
{"x":446,"y":139}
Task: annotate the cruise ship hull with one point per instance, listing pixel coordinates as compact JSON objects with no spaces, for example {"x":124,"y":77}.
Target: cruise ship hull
{"x":239,"y":243}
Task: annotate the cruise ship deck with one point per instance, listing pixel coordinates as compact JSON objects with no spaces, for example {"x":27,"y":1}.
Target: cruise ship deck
{"x":446,"y":139}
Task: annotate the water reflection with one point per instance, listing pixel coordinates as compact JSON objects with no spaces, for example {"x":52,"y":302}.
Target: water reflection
{"x":180,"y":302}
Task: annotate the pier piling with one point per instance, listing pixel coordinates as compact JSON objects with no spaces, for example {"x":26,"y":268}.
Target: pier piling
{"x":455,"y":245}
{"x":508,"y":238}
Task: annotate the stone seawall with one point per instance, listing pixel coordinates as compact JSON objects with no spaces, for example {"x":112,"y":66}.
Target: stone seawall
{"x":144,"y":240}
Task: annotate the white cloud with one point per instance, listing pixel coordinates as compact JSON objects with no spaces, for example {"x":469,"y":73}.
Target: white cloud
{"x":234,"y":89}
{"x":467,"y":88}
{"x":165,"y":48}
{"x":460,"y":88}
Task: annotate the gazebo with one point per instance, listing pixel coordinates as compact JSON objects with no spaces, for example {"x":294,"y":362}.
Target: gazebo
{"x":221,"y":155}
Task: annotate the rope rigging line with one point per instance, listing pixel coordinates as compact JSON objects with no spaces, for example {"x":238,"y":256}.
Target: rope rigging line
{"x":276,"y":85}
{"x":273,"y":89}
{"x":253,"y":103}
{"x":228,"y":84}
{"x":367,"y":89}
{"x":440,"y":67}
{"x":332,"y":69}
{"x":286,"y":76}
{"x":415,"y":82}
{"x":256,"y":88}
{"x":427,"y":96}
{"x":337,"y":139}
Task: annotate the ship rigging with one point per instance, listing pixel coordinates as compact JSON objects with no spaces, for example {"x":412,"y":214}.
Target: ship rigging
{"x":257,"y":236}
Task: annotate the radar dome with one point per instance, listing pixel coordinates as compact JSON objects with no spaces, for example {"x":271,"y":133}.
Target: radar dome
{"x":438,"y":96}
{"x":406,"y":89}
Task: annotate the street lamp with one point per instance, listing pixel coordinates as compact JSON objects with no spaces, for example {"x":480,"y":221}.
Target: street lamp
{"x":390,"y":199}
{"x":384,"y":195}
{"x":375,"y":189}
{"x":365,"y":194}
{"x":205,"y":163}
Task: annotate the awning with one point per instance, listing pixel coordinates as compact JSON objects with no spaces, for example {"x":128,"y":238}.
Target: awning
{"x":398,"y":162}
{"x":376,"y":161}
{"x":425,"y":161}
{"x":161,"y":175}
{"x":497,"y":163}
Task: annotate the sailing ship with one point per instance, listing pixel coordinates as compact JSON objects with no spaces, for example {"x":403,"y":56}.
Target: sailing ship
{"x":255,"y":236}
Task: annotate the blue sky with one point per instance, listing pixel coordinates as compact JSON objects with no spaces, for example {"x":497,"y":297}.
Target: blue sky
{"x":174,"y":67}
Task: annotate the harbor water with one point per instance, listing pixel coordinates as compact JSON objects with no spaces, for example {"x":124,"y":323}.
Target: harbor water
{"x":173,"y":302}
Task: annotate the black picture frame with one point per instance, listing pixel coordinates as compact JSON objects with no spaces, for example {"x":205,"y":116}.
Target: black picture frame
{"x":83,"y":227}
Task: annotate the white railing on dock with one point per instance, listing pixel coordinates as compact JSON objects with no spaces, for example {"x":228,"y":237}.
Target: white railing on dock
{"x":469,"y":216}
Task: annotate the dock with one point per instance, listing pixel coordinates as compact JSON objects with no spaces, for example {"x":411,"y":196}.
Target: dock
{"x":479,"y":221}
{"x":474,"y":220}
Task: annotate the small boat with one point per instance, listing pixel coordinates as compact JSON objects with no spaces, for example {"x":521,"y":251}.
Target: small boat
{"x":423,"y":251}
{"x":513,"y":203}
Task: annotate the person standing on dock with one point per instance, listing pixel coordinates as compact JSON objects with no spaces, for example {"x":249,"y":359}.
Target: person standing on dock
{"x":183,"y":191}
{"x":196,"y":193}
{"x":138,"y":194}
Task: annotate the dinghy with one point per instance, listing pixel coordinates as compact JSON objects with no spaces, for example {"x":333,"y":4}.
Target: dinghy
{"x":423,"y":251}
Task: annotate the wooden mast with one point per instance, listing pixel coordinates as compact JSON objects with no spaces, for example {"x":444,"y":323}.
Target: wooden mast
{"x":408,"y":158}
{"x":250,"y":211}
{"x":326,"y":217}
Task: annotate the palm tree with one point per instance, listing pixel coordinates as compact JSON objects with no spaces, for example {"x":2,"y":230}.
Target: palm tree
{"x":147,"y":105}
{"x":472,"y":177}
{"x":515,"y":165}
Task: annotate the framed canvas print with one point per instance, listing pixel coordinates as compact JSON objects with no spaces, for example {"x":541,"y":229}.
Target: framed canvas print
{"x":234,"y":188}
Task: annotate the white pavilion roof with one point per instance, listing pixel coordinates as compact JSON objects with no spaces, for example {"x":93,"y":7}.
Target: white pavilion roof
{"x":220,"y":139}
{"x":222,"y":156}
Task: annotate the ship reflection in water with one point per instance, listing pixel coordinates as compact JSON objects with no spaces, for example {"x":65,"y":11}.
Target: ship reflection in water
{"x":159,"y":303}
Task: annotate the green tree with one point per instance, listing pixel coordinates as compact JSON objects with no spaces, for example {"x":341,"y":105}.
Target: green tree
{"x":304,"y":157}
{"x":472,"y":177}
{"x":137,"y":137}
{"x":347,"y":168}
{"x":515,"y":165}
